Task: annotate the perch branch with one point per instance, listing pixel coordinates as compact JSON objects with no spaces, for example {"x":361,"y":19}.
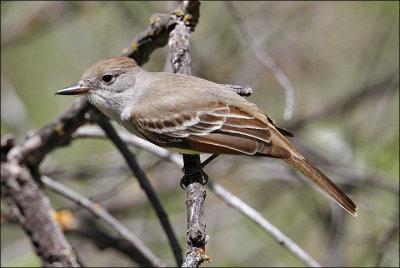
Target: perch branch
{"x":196,"y":192}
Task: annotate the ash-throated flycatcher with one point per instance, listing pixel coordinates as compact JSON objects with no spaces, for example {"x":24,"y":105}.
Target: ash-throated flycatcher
{"x":191,"y":115}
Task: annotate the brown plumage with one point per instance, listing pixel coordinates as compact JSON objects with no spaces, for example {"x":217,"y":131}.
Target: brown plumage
{"x":192,"y":115}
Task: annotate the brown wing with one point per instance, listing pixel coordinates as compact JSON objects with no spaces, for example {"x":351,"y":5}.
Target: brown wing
{"x":211,"y":126}
{"x":216,"y":128}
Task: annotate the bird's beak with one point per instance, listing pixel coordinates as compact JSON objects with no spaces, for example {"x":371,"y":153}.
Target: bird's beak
{"x":75,"y":89}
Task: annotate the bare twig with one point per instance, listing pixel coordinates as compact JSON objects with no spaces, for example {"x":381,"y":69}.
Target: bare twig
{"x":100,"y":212}
{"x":264,"y":58}
{"x":220,"y":191}
{"x":144,"y":182}
{"x":90,"y":230}
{"x":255,"y":216}
{"x":96,"y":132}
{"x":180,"y":60}
{"x":34,"y":212}
{"x":56,"y":133}
{"x":242,"y":91}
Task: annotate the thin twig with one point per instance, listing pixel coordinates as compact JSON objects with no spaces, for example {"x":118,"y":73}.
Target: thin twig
{"x":242,"y":91}
{"x":255,"y":216}
{"x":264,"y":58}
{"x":96,"y":132}
{"x":180,"y":60}
{"x":144,"y":182}
{"x":219,"y":190}
{"x":56,"y":133}
{"x":89,"y":229}
{"x":100,"y":212}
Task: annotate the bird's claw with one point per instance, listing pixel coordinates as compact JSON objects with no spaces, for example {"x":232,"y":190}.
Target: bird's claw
{"x":192,"y":171}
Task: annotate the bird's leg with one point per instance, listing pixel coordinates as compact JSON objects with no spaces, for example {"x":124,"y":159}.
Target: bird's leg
{"x":208,"y":160}
{"x":195,"y":170}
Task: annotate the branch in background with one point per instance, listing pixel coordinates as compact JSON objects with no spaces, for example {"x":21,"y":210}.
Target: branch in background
{"x":265,"y":59}
{"x":95,"y":132}
{"x":33,"y":18}
{"x":19,"y":174}
{"x":224,"y":194}
{"x":346,"y":104}
{"x":100,"y":212}
{"x":256,"y":217}
{"x":32,"y":208}
{"x":90,"y":230}
{"x":144,"y":182}
{"x":16,"y":120}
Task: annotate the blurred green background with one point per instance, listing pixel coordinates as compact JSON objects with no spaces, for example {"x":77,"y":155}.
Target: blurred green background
{"x":328,"y":50}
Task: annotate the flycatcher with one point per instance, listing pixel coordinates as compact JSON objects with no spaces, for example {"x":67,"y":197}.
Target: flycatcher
{"x":192,"y":115}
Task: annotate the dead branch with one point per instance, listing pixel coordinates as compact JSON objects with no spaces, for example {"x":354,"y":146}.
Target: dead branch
{"x":144,"y":182}
{"x":100,"y":212}
{"x":34,"y":212}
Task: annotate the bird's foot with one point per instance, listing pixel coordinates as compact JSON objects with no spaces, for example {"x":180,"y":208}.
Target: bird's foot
{"x":188,"y":177}
{"x":189,"y":172}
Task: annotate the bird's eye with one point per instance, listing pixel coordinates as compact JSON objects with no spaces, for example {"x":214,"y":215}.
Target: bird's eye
{"x":107,"y":78}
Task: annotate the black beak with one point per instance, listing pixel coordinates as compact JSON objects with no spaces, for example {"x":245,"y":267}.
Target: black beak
{"x":75,"y":89}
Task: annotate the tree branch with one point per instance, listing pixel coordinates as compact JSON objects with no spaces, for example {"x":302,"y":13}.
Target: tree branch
{"x":35,"y":214}
{"x":100,"y":212}
{"x":144,"y":182}
{"x":196,"y":193}
{"x":158,"y":33}
{"x":57,"y":133}
{"x":255,"y":216}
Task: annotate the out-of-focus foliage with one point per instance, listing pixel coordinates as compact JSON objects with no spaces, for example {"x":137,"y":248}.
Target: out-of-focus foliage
{"x":328,"y":50}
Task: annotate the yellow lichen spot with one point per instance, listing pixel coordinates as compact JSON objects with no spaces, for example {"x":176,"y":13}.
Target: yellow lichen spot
{"x":206,"y":258}
{"x":96,"y":207}
{"x":125,"y":50}
{"x":59,"y":130}
{"x":65,"y":218}
{"x":134,"y":46}
{"x":187,"y":17}
{"x":155,"y":19}
{"x":201,"y":250}
{"x":179,"y":12}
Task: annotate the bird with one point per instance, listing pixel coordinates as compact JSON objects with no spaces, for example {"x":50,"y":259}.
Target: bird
{"x":192,"y":115}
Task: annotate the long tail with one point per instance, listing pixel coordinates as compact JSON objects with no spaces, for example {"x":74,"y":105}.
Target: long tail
{"x":323,"y":182}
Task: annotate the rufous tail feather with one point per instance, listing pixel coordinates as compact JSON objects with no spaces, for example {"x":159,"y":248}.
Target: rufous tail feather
{"x":323,"y":182}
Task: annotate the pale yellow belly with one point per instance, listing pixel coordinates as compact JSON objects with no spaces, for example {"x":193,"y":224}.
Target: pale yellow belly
{"x":182,"y":151}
